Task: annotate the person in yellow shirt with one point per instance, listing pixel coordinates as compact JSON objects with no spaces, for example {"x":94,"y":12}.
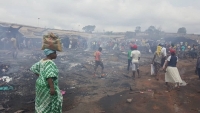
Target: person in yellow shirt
{"x":157,"y":61}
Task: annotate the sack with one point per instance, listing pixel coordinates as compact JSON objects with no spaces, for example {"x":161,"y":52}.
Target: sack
{"x":152,"y":69}
{"x":52,"y":42}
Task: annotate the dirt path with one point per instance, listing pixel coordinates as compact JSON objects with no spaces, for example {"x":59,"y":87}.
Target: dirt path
{"x":88,"y":94}
{"x":149,"y":96}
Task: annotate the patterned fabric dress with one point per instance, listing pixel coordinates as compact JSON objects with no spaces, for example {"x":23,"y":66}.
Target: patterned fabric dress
{"x":44,"y":102}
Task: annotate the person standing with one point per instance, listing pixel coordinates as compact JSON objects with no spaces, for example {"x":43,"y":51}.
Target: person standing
{"x":3,"y":43}
{"x":157,"y":61}
{"x":98,"y":61}
{"x":135,"y":55}
{"x":70,"y":44}
{"x":172,"y":47}
{"x":183,"y":48}
{"x":186,"y":44}
{"x":164,"y":55}
{"x":129,"y":59}
{"x":14,"y":48}
{"x":197,"y":71}
{"x":194,"y":51}
{"x":183,"y":51}
{"x":189,"y":48}
{"x":172,"y":74}
{"x":48,"y":97}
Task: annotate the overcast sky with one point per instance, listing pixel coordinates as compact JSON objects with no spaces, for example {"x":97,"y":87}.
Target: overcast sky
{"x":108,"y":15}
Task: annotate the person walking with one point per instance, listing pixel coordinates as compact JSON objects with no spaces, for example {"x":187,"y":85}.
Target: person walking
{"x":48,"y":96}
{"x":14,"y":48}
{"x":164,"y":54}
{"x":171,"y":71}
{"x":129,"y":59}
{"x":98,"y":61}
{"x":135,"y":55}
{"x":197,"y":71}
{"x":157,"y":61}
{"x":183,"y":51}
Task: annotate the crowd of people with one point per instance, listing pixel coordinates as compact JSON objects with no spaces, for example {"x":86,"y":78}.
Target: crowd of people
{"x":185,"y":50}
{"x":166,"y":55}
{"x":118,"y":44}
{"x":165,"y":59}
{"x":48,"y":95}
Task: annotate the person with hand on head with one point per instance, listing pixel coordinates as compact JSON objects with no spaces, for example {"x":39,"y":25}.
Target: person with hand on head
{"x":98,"y":61}
{"x":48,"y":97}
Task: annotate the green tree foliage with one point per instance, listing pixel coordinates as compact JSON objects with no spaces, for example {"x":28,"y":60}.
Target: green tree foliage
{"x":152,"y":30}
{"x":129,"y":34}
{"x":138,"y":29}
{"x":182,"y":30}
{"x":108,"y":33}
{"x":89,"y":28}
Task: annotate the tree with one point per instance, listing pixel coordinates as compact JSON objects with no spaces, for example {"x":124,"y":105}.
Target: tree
{"x":108,"y":32}
{"x":129,"y":34}
{"x":152,"y":30}
{"x":89,"y":28}
{"x":182,"y":30}
{"x":138,"y":29}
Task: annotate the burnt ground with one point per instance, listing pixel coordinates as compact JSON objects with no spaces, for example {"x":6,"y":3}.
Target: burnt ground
{"x":88,"y":94}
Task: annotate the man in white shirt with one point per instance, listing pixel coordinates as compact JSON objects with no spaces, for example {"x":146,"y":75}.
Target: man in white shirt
{"x":135,"y":55}
{"x":164,"y":54}
{"x":181,"y":43}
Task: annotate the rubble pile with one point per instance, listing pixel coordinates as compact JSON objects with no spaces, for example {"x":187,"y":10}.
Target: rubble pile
{"x":4,"y":68}
{"x":76,"y":80}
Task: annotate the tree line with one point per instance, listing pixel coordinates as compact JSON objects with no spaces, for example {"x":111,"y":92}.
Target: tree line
{"x":151,"y":30}
{"x":154,"y":30}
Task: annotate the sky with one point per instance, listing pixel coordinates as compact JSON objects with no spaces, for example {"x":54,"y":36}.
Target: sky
{"x":106,"y":15}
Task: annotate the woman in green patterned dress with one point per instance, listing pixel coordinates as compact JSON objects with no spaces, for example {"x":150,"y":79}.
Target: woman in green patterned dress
{"x":48,"y":97}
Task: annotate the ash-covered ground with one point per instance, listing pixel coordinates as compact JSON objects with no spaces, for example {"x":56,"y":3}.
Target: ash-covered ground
{"x":88,"y":94}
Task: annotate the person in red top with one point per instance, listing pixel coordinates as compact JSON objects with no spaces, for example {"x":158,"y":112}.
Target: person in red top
{"x":98,"y":61}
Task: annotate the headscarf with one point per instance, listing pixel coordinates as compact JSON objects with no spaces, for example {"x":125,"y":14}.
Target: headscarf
{"x":48,"y":51}
{"x":158,"y":50}
{"x":134,"y":46}
{"x":172,"y":51}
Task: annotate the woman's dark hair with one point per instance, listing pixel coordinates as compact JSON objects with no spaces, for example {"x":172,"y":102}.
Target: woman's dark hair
{"x":132,"y":48}
{"x":100,"y":49}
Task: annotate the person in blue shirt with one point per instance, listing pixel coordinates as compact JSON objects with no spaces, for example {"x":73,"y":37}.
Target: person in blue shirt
{"x":197,"y":71}
{"x":183,"y":51}
{"x":183,"y":48}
